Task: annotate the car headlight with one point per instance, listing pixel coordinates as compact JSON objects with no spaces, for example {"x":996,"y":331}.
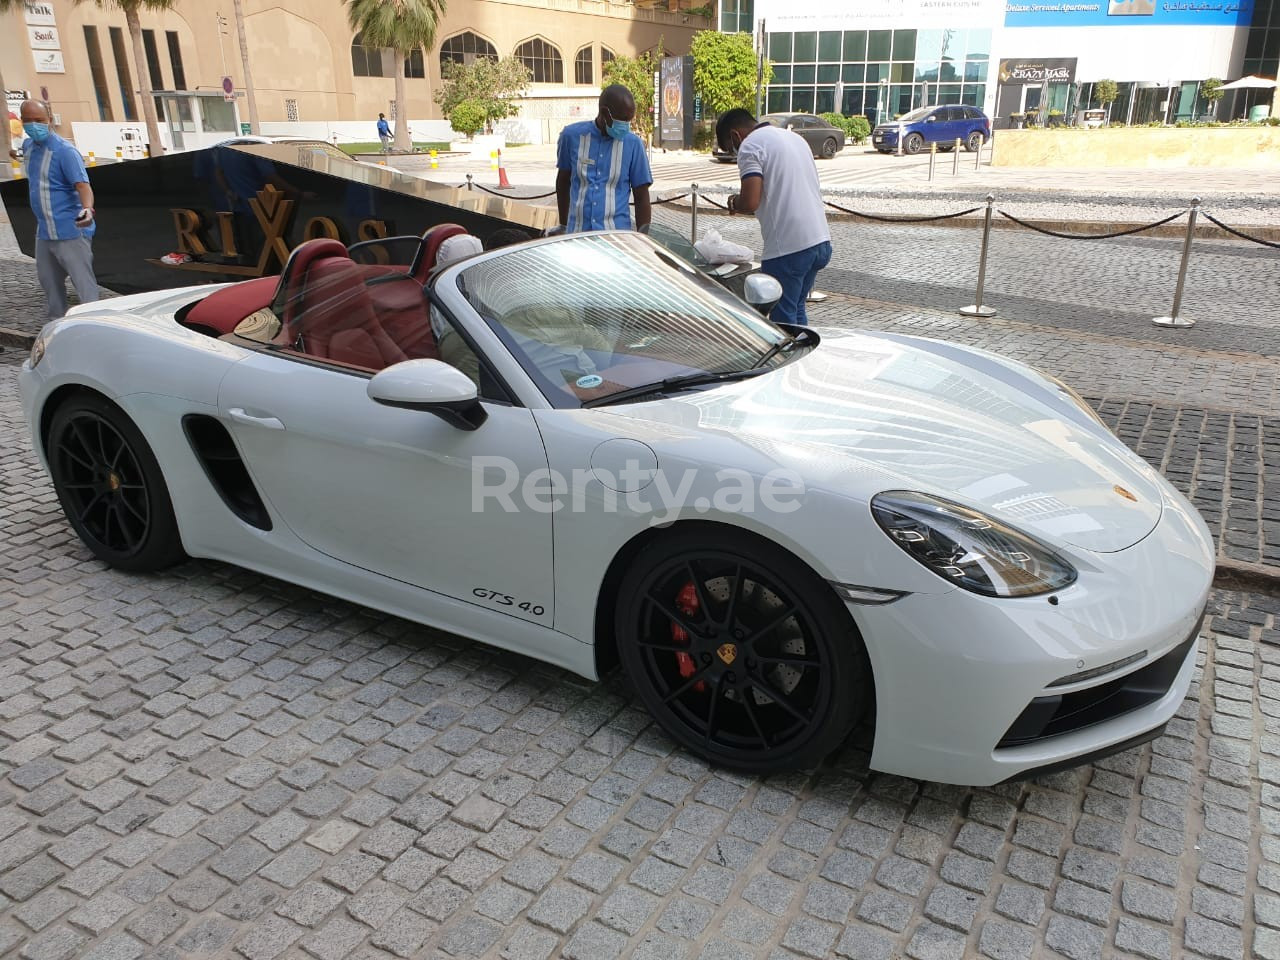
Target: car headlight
{"x":37,"y":351}
{"x":970,"y":550}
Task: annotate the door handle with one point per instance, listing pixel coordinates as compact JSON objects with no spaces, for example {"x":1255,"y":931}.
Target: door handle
{"x":270,"y":423}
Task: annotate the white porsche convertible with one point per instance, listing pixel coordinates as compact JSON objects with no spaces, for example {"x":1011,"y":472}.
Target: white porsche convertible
{"x":583,"y":449}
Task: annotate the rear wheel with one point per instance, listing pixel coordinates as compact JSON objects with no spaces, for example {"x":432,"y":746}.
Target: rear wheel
{"x":974,"y":143}
{"x":913,"y":143}
{"x":110,"y":486}
{"x":828,"y":148}
{"x":740,"y":652}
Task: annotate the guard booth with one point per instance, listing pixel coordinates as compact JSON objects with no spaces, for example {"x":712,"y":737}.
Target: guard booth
{"x":196,"y":118}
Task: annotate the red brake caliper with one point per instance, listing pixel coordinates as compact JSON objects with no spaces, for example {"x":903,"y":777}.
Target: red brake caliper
{"x":686,"y":603}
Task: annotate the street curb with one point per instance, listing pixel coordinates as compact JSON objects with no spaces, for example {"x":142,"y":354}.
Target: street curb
{"x":16,"y":338}
{"x":1248,"y":577}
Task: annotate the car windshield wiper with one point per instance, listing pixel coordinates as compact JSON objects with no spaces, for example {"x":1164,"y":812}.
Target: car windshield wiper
{"x":671,"y":384}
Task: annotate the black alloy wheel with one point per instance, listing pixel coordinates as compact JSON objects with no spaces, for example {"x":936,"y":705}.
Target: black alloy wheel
{"x":110,"y":486}
{"x":740,"y":652}
{"x":913,"y":144}
{"x":828,"y":148}
{"x":974,"y":143}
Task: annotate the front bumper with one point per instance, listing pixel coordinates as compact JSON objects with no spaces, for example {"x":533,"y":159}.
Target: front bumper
{"x":884,"y":138}
{"x":976,"y":690}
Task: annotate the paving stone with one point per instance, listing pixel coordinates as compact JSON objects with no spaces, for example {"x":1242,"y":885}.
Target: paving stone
{"x":886,"y":910}
{"x":1143,"y":939}
{"x":1006,"y":941}
{"x":931,"y":942}
{"x":560,"y":907}
{"x":1075,"y":939}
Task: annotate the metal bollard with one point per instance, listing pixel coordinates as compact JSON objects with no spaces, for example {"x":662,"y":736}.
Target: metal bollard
{"x":977,"y":155}
{"x":693,"y":214}
{"x":955,"y":160}
{"x":901,"y":133}
{"x":976,"y":309}
{"x":933,"y":155}
{"x":468,"y":181}
{"x":1173,"y":320}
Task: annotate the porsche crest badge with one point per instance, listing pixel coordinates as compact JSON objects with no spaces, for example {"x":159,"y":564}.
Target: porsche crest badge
{"x":1124,"y":493}
{"x":728,"y":653}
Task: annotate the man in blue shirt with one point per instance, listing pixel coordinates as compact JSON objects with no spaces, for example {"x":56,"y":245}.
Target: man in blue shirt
{"x":384,"y":132}
{"x":62,"y":203}
{"x":603,"y":165}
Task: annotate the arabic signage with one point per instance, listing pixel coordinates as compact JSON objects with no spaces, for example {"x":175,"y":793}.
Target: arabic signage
{"x":1129,"y":13}
{"x":1037,"y":71}
{"x":39,"y":14}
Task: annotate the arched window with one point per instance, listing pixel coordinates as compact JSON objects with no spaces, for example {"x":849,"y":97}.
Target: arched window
{"x":542,"y":59}
{"x":368,"y":61}
{"x":605,"y":56}
{"x":464,"y":48}
{"x":582,"y":66}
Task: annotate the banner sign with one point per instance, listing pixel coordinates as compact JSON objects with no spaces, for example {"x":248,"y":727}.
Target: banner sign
{"x":1038,"y":70}
{"x":671,"y":101}
{"x":1129,"y":13}
{"x":39,"y":14}
{"x":48,"y":61}
{"x":43,"y":38}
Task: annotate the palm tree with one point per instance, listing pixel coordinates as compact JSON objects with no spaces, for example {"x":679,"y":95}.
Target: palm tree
{"x":131,"y":9}
{"x":250,"y":96}
{"x":404,"y":26}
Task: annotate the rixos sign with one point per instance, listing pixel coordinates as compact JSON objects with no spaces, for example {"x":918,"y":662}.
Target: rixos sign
{"x":274,"y":213}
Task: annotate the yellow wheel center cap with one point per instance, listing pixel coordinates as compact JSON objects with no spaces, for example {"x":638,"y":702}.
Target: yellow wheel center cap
{"x":113,"y":481}
{"x":727,"y":652}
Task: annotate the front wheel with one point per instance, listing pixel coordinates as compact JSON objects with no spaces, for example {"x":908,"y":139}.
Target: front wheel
{"x":913,"y":144}
{"x":828,"y":148}
{"x":740,"y":652}
{"x":974,"y":143}
{"x":110,"y":486}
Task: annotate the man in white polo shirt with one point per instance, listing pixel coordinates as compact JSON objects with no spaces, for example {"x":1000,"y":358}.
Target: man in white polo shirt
{"x":780,"y":186}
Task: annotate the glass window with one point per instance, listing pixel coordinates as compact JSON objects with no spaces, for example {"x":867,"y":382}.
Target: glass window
{"x":877,"y":72}
{"x":974,"y":94}
{"x":902,"y":73}
{"x":804,"y":74}
{"x":975,"y":70}
{"x":825,"y":101}
{"x":542,"y":59}
{"x":979,"y":43}
{"x":217,"y":116}
{"x":828,"y":72}
{"x":175,"y":60}
{"x":123,"y":77}
{"x":365,"y":61}
{"x":855,"y":45}
{"x":806,"y":50}
{"x":829,"y":46}
{"x":802,"y":99}
{"x":101,"y":92}
{"x":947,"y":71}
{"x":613,"y":308}
{"x":878,"y":45}
{"x":854,"y":72}
{"x":904,"y":45}
{"x":782,"y":74}
{"x":779,"y":99}
{"x":780,"y":47}
{"x":606,"y":55}
{"x":583,"y":71}
{"x":926,"y":72}
{"x":947,"y":93}
{"x":854,"y":97}
{"x":465,"y":47}
{"x":928,"y":44}
{"x":414,"y":67}
{"x":153,"y":59}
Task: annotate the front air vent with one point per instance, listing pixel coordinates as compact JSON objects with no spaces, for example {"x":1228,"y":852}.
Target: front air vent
{"x":218,"y":455}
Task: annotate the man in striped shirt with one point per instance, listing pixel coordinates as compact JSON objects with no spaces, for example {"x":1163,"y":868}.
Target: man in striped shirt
{"x":62,"y":203}
{"x":603,"y":166}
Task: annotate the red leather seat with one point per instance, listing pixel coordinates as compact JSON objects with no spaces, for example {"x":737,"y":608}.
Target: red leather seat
{"x":222,"y":310}
{"x":335,"y":319}
{"x":401,"y":305}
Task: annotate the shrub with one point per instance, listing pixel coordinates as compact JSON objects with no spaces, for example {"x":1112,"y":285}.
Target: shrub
{"x":856,"y":128}
{"x":467,"y":117}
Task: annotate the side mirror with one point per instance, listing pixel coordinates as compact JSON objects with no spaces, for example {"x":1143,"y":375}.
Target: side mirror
{"x":433,"y":387}
{"x":762,"y":291}
{"x":930,"y":118}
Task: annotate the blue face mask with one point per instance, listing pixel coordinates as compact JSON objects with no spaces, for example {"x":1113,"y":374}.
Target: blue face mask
{"x":39,"y":132}
{"x":619,"y":129}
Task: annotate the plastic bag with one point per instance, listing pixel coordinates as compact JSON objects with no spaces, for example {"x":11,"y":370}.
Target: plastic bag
{"x":716,"y":249}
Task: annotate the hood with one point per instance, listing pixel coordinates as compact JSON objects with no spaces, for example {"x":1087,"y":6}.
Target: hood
{"x":155,"y":304}
{"x":884,"y":412}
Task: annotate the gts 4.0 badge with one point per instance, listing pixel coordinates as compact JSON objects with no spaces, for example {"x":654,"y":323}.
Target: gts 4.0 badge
{"x":506,"y":600}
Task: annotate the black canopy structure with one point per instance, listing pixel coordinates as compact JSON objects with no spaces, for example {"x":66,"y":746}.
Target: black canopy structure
{"x":234,"y":211}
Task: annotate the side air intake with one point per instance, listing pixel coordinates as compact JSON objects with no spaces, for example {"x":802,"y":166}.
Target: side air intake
{"x":218,"y":455}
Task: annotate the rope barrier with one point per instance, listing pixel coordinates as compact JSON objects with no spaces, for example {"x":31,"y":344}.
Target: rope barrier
{"x":507,"y":196}
{"x":1243,"y":236}
{"x":1091,"y":236}
{"x":872,"y":216}
{"x":656,"y":203}
{"x":714,"y":203}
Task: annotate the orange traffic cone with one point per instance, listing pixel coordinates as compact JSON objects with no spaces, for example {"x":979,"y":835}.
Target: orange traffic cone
{"x":503,"y":182}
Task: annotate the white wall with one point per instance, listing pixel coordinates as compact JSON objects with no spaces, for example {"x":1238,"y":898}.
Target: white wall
{"x":354,"y":131}
{"x":1161,"y":53}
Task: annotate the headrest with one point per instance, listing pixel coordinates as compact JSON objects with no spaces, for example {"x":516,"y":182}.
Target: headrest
{"x":334,"y":297}
{"x":457,"y":247}
{"x":295,"y":271}
{"x":431,"y":241}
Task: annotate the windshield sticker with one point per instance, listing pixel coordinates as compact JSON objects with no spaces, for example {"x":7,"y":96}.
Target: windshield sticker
{"x":589,"y":381}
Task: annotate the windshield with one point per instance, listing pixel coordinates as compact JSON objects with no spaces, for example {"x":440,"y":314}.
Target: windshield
{"x":919,"y":113}
{"x":592,"y":315}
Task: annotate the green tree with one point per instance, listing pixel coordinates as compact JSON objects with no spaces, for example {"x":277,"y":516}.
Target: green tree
{"x":467,"y":117}
{"x":404,"y":26}
{"x":494,"y":85}
{"x":636,"y":74}
{"x":1106,"y":92}
{"x":724,"y":70}
{"x":1212,"y":92}
{"x":856,"y":128}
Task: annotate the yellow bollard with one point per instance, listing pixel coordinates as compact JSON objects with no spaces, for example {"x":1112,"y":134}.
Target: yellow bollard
{"x":119,"y":154}
{"x":435,"y":161}
{"x":17,"y":169}
{"x":93,"y":161}
{"x":493,"y":159}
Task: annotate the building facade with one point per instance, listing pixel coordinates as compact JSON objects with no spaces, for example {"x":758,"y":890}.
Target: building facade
{"x":881,"y":58}
{"x":307,"y":63}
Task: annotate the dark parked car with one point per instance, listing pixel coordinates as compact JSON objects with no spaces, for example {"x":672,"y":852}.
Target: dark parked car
{"x":824,"y":140}
{"x":940,"y":125}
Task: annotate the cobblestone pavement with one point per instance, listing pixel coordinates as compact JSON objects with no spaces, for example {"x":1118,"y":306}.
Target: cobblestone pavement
{"x":210,"y":763}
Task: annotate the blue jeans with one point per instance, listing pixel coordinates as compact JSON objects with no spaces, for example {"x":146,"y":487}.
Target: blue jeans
{"x":796,"y":272}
